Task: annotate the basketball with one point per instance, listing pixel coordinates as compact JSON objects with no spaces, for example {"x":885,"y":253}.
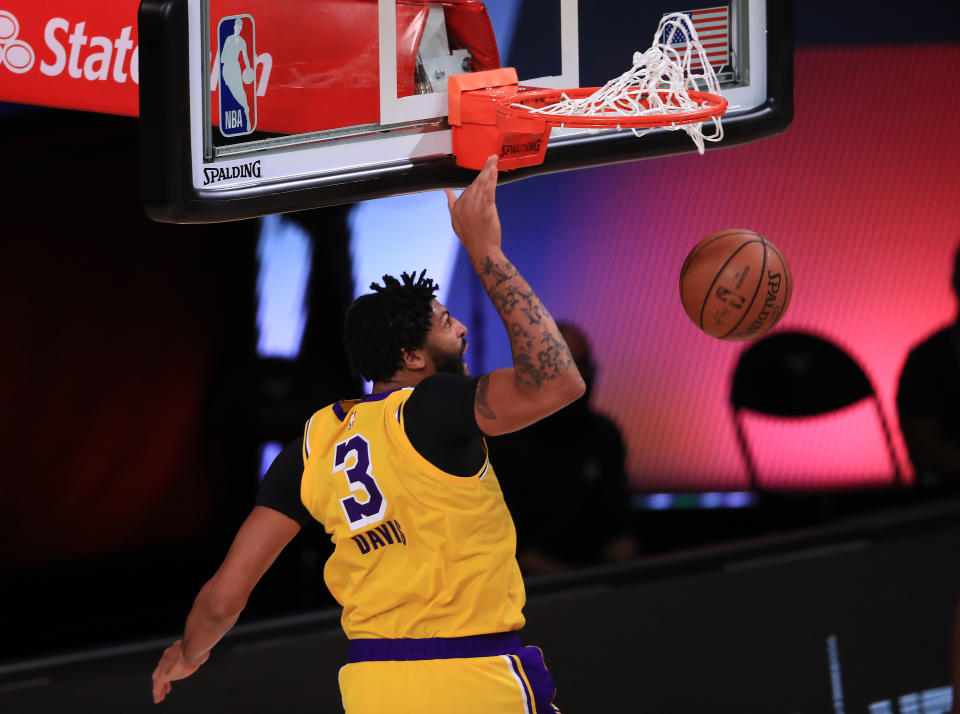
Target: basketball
{"x":735,"y":285}
{"x":248,"y":75}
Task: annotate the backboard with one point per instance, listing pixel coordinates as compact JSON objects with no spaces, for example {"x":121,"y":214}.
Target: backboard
{"x":252,"y":107}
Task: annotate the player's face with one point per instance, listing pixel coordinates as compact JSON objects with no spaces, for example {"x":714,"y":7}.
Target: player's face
{"x":446,"y":341}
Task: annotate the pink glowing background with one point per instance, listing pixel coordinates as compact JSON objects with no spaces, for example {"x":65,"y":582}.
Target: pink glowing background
{"x":860,"y":194}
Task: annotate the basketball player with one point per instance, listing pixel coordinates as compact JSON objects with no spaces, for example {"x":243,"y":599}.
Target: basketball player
{"x":424,"y":560}
{"x":233,"y":47}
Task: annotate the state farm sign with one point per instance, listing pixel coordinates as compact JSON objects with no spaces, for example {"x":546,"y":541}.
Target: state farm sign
{"x":88,"y":61}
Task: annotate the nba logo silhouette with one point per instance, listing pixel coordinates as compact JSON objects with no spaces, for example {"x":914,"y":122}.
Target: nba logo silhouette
{"x":238,"y":88}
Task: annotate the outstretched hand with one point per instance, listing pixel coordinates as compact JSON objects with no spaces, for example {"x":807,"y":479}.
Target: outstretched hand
{"x":172,"y":666}
{"x":474,"y":215}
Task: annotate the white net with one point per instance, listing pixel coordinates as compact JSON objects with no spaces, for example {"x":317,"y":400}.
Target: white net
{"x":658,"y":83}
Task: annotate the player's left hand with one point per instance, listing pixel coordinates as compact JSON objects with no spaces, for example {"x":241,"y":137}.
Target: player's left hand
{"x":172,"y":666}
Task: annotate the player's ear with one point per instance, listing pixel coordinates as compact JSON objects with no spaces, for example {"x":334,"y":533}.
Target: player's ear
{"x":414,"y":360}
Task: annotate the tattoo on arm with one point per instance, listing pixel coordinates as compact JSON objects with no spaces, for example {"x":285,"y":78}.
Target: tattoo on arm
{"x":480,"y":400}
{"x":539,"y":353}
{"x":499,"y":274}
{"x":538,"y":361}
{"x":513,"y":297}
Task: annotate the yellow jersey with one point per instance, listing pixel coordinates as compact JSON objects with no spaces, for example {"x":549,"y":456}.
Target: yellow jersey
{"x":418,"y":552}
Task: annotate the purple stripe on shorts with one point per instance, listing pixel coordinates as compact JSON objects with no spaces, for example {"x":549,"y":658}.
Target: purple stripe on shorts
{"x":405,"y":650}
{"x":523,"y":685}
{"x":540,"y":680}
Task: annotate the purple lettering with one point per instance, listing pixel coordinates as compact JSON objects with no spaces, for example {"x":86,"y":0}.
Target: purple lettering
{"x":370,"y":507}
{"x":403,"y":537}
{"x":375,"y":540}
{"x":395,"y":527}
{"x":361,"y":543}
{"x":385,"y":532}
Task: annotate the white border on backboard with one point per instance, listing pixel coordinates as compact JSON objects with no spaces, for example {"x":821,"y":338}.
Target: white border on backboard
{"x":394,"y":110}
{"x":333,"y":158}
{"x":754,"y":92}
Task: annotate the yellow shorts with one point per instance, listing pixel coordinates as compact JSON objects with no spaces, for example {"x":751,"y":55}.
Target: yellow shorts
{"x":428,"y":677}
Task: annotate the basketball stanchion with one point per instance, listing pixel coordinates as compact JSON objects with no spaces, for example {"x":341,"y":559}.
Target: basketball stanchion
{"x":491,"y":113}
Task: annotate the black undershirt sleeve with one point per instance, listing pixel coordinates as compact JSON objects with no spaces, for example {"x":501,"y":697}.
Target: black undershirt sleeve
{"x":439,"y":421}
{"x":280,"y":488}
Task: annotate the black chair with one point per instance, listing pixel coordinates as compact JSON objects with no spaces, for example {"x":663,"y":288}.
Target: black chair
{"x":797,"y":374}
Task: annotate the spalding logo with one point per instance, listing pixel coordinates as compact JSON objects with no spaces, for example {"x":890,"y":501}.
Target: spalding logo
{"x":769,"y":309}
{"x":224,"y":173}
{"x":508,"y":149}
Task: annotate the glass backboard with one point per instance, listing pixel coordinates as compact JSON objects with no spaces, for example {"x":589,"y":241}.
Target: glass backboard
{"x":250,"y":107}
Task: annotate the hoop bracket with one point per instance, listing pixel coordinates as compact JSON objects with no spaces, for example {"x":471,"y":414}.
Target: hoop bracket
{"x":478,"y":129}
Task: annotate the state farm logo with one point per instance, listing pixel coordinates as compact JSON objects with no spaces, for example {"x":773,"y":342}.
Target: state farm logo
{"x":16,"y":55}
{"x":71,"y":48}
{"x":92,"y":57}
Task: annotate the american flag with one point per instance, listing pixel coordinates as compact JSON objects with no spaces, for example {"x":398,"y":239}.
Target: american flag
{"x":713,"y":28}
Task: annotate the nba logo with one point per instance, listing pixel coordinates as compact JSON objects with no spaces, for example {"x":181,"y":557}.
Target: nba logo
{"x":238,"y":88}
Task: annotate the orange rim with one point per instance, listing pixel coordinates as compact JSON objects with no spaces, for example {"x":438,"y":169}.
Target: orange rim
{"x":516,"y":107}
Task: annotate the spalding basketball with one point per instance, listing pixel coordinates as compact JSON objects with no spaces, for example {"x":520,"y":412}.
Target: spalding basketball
{"x":735,"y":285}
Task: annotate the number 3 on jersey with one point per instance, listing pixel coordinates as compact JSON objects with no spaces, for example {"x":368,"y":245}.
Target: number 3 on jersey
{"x":370,"y":507}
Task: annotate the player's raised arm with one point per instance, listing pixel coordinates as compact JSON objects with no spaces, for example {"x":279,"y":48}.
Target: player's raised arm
{"x":544,"y":377}
{"x":216,"y":608}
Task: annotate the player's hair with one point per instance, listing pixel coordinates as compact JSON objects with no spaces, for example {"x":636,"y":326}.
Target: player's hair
{"x":379,"y":326}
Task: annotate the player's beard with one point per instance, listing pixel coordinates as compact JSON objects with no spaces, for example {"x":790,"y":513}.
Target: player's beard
{"x":448,"y":362}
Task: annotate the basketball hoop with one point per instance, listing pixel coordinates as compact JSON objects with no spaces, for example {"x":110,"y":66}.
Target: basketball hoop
{"x":661,"y":90}
{"x":657,"y":110}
